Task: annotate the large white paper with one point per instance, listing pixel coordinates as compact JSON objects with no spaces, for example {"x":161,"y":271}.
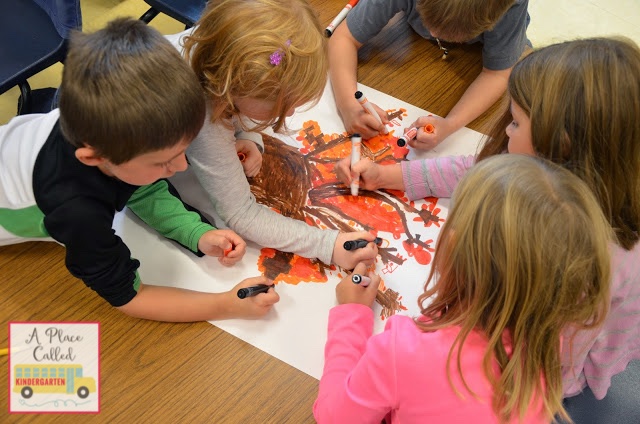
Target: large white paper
{"x":295,"y":331}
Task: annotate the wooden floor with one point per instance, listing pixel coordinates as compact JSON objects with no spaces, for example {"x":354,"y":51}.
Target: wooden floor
{"x":193,"y":373}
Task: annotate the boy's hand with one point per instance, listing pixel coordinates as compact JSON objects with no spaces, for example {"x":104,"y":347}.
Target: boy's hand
{"x":348,"y":259}
{"x":253,"y":306}
{"x":358,"y":121}
{"x":349,"y":292}
{"x":425,"y":140}
{"x":250,"y":156}
{"x":225,"y":244}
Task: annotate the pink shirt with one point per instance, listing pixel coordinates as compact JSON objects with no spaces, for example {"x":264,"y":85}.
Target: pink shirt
{"x":400,"y":373}
{"x":597,"y":355}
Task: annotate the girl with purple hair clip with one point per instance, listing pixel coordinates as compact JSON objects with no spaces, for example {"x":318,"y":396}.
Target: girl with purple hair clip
{"x":258,"y":60}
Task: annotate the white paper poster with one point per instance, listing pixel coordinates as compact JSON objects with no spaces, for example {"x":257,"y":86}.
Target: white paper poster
{"x":295,"y":331}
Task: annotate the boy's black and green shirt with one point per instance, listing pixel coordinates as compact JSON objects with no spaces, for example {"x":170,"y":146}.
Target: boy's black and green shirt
{"x":45,"y":192}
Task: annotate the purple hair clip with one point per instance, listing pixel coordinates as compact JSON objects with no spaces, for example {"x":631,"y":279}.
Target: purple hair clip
{"x":277,"y":56}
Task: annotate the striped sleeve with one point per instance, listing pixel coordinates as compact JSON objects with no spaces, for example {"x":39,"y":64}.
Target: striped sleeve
{"x":436,"y":177}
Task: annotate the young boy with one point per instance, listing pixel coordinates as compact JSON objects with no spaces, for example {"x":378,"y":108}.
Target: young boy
{"x":500,"y":25}
{"x":129,"y":108}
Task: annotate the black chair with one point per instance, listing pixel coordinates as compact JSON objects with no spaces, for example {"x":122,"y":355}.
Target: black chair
{"x":35,"y":36}
{"x":186,"y":11}
{"x":621,"y":405}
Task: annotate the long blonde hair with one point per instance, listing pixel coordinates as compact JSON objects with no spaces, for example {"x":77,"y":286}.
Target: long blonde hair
{"x":524,"y":253}
{"x":582,"y":99}
{"x":231,"y":52}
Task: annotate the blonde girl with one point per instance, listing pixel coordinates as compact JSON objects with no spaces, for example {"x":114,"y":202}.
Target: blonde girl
{"x":258,"y":60}
{"x":523,"y":254}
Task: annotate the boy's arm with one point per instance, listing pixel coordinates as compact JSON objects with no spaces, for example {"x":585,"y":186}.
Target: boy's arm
{"x":159,"y":205}
{"x":483,"y":92}
{"x":173,"y":304}
{"x":343,"y":72}
{"x":363,"y":22}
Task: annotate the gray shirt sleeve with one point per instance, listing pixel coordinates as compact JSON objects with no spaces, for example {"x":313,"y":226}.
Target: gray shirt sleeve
{"x":213,"y":158}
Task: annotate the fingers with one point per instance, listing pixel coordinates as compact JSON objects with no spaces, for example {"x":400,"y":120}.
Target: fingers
{"x":360,"y":268}
{"x":252,"y":165}
{"x":343,"y":170}
{"x":424,"y":143}
{"x":366,"y":125}
{"x":267,"y":299}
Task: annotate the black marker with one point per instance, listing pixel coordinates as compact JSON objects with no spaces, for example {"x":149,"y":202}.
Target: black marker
{"x":360,"y":279}
{"x":253,"y":290}
{"x":359,"y":243}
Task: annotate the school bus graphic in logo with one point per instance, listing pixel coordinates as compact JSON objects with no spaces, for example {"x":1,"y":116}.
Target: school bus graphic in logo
{"x":52,"y":378}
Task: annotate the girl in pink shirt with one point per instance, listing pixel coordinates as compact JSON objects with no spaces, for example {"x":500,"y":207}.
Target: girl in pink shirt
{"x":513,"y":267}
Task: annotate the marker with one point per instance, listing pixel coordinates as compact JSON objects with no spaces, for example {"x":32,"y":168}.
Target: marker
{"x":5,"y":351}
{"x":343,"y":14}
{"x":369,"y":108}
{"x":356,"y":143}
{"x":413,"y":132}
{"x":253,"y":290}
{"x":360,"y":279}
{"x":227,"y":251}
{"x":241,"y":156}
{"x":359,"y":243}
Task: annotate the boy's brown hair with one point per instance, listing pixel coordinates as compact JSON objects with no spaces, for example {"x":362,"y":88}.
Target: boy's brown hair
{"x":461,"y":20}
{"x":127,"y":91}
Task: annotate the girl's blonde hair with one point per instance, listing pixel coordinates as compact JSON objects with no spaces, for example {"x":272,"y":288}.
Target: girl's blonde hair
{"x":582,"y":99}
{"x":523,"y":254}
{"x":231,"y":51}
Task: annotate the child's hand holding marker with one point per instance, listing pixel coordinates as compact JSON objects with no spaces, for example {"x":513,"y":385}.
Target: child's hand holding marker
{"x":412,"y":133}
{"x":360,"y":287}
{"x":250,"y":157}
{"x":426,"y":133}
{"x":372,"y":176}
{"x":364,"y":118}
{"x":252,"y":298}
{"x":366,"y":250}
{"x":225,"y":244}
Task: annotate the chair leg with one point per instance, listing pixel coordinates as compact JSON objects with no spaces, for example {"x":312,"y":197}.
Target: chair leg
{"x":149,"y":15}
{"x":24,"y":101}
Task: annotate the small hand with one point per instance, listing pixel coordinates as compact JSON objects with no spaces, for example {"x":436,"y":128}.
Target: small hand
{"x":225,"y":244}
{"x":349,"y":292}
{"x":369,"y":172}
{"x":439,"y":129}
{"x":250,"y":157}
{"x":253,"y":306}
{"x":358,"y":121}
{"x":348,"y":259}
